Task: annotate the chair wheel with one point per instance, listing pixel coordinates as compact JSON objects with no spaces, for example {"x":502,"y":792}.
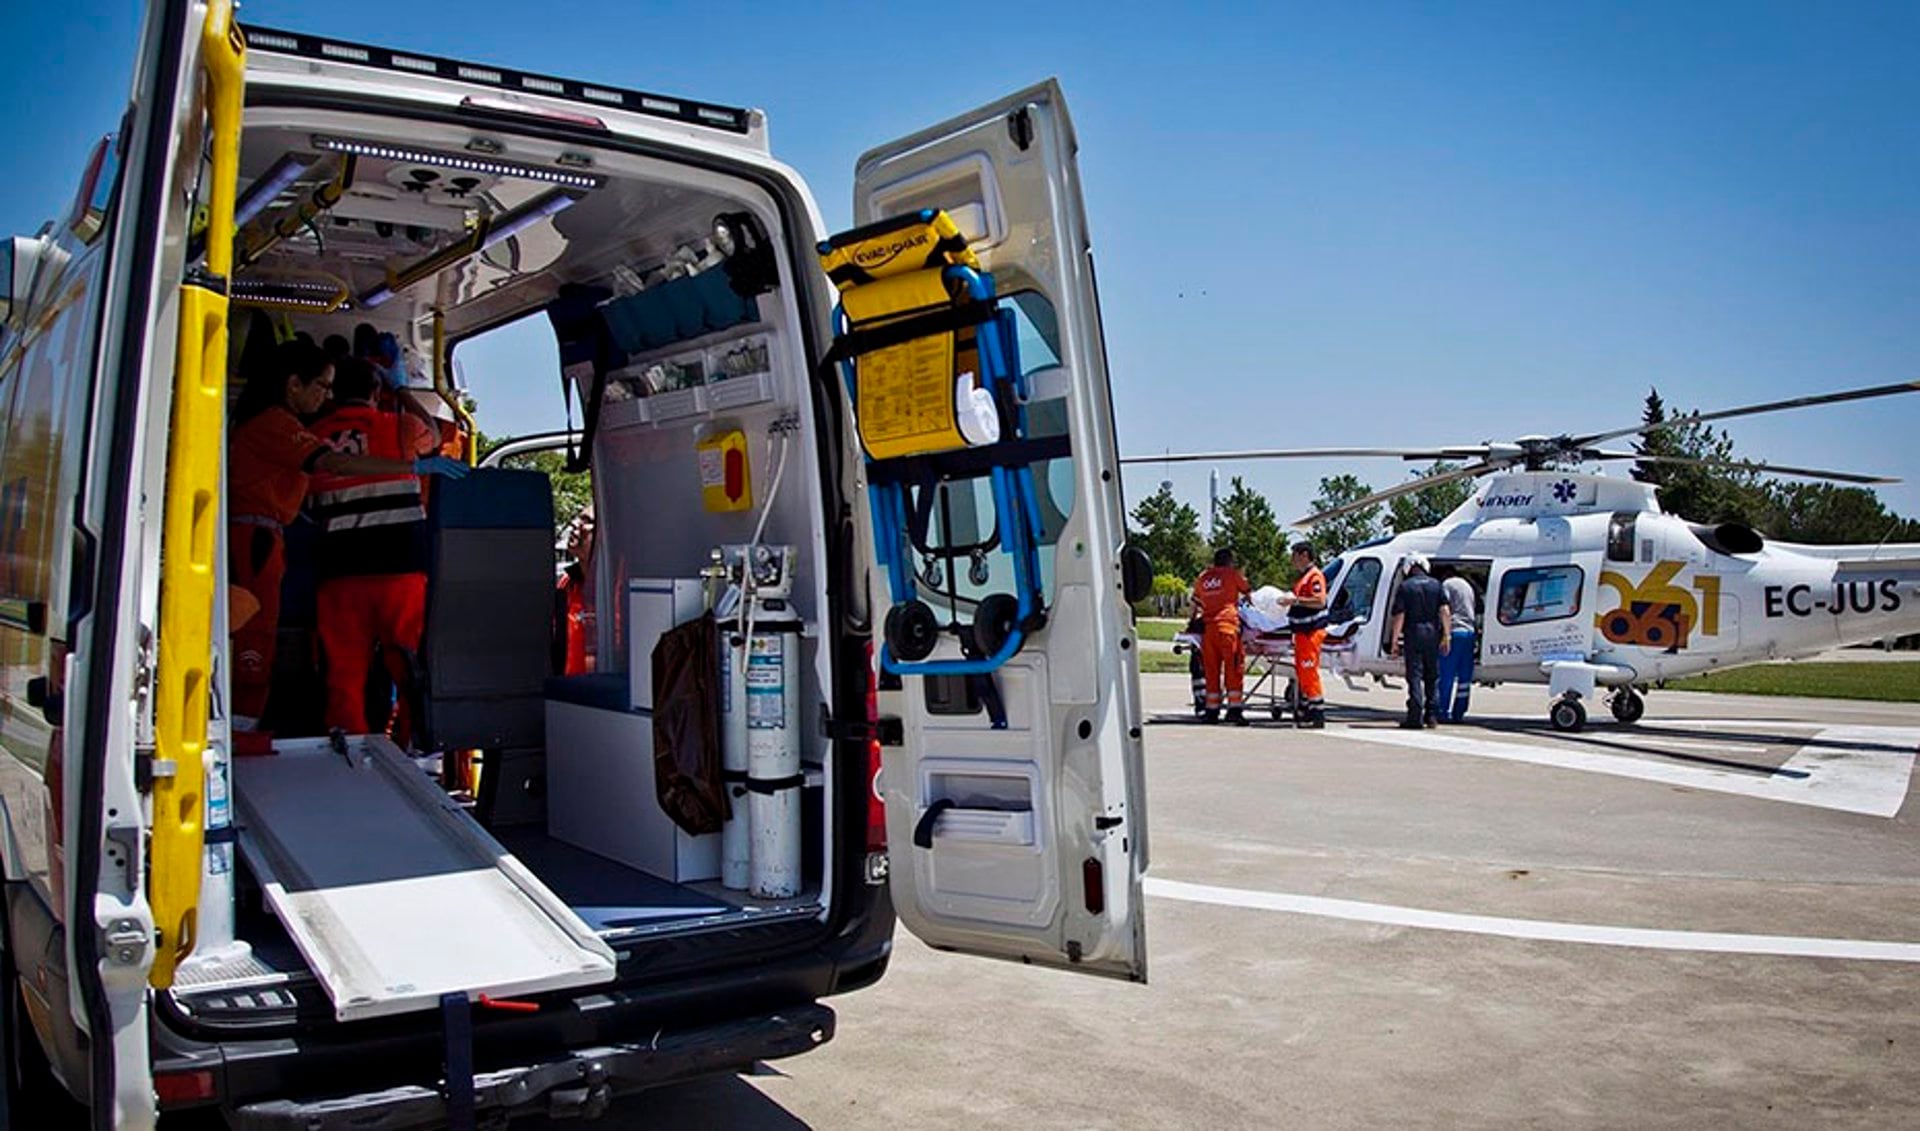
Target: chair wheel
{"x":994,"y":622}
{"x":913,"y":629}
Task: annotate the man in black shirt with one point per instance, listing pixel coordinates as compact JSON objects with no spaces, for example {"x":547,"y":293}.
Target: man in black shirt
{"x":1422,"y":613}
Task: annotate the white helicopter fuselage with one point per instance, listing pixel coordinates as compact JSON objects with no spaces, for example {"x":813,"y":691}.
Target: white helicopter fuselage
{"x":1586,"y":571}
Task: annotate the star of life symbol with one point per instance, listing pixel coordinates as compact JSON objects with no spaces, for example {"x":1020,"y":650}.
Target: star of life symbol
{"x":1564,"y":490}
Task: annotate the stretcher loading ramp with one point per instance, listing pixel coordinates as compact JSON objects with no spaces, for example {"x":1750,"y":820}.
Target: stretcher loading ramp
{"x":393,"y":894}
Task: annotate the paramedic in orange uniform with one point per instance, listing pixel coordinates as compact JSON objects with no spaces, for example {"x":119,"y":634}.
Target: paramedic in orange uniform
{"x":573,"y":605}
{"x":1218,"y":592}
{"x":1307,"y":619}
{"x":373,"y":543}
{"x":273,"y":455}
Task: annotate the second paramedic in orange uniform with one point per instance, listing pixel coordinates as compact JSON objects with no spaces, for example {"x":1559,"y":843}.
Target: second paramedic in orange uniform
{"x":273,"y":455}
{"x":1307,"y":619}
{"x":373,"y":544}
{"x":1218,"y":592}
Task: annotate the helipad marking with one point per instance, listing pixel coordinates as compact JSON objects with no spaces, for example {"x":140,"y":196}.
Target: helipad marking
{"x":1543,"y":930}
{"x":1855,"y":769}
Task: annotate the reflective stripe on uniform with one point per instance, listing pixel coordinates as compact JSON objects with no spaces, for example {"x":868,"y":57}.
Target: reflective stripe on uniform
{"x":375,"y":489}
{"x":392,"y":517}
{"x":381,"y":503}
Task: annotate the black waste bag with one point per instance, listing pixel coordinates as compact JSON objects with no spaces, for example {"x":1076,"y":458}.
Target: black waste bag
{"x":686,"y":727}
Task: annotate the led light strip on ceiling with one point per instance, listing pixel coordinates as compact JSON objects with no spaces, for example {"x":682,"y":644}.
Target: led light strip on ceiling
{"x":465,"y":162}
{"x":298,"y":294}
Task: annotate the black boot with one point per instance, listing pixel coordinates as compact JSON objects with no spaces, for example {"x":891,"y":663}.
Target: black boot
{"x":1316,"y":719}
{"x":1210,"y":716}
{"x":1236,"y":717}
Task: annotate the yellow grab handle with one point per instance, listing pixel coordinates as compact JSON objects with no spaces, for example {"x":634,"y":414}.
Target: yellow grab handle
{"x":195,"y":446}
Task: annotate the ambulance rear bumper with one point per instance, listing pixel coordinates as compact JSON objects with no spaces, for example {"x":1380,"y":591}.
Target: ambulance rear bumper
{"x":581,"y":1085}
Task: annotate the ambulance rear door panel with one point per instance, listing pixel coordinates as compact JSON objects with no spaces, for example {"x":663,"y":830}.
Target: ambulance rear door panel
{"x":1036,"y":842}
{"x":108,"y":843}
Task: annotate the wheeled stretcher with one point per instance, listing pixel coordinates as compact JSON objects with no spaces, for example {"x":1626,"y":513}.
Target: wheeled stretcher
{"x":1267,"y":644}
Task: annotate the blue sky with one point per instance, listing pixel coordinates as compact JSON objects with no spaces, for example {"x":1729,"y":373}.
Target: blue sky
{"x":1337,"y":224}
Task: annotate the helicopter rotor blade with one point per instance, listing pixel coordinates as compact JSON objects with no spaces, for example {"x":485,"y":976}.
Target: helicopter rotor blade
{"x":1744,"y":465}
{"x":1844,"y":395}
{"x":1470,"y":471}
{"x":1309,"y":453}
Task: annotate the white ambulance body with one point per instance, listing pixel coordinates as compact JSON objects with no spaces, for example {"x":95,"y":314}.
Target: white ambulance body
{"x":152,"y":954}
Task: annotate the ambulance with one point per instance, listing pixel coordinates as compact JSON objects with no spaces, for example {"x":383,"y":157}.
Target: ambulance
{"x":321,"y":934}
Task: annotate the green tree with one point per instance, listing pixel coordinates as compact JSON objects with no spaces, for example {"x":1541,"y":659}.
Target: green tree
{"x":1337,"y":534}
{"x":1169,"y":531}
{"x":1428,"y":505}
{"x":1247,"y":526}
{"x":572,"y":490}
{"x":1828,"y":513}
{"x":1696,"y":493}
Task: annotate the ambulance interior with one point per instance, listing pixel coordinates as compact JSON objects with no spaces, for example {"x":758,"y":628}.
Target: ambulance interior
{"x":667,"y":298}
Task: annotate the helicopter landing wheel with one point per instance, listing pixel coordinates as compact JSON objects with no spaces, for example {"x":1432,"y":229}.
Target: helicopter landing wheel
{"x":1628,"y":705}
{"x":1568,"y":715}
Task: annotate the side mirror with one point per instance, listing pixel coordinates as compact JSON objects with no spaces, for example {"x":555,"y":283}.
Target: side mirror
{"x":1136,"y":574}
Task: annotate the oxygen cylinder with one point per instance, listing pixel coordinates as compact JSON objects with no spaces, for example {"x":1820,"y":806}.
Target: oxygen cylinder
{"x":774,"y":776}
{"x":736,"y":837}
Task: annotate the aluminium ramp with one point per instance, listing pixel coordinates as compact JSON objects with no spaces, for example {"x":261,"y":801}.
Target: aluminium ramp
{"x":393,"y":894}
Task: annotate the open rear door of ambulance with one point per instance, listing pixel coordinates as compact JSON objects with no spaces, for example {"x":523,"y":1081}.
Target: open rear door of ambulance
{"x":1018,"y":827}
{"x":133,"y":880}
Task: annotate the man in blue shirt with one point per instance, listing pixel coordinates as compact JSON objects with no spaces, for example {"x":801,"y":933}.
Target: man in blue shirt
{"x":1420,"y":612}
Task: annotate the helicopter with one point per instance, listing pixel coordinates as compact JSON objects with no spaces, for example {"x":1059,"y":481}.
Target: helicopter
{"x":1587,"y":586}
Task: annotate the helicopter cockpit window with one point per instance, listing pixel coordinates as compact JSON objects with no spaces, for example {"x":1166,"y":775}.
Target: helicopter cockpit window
{"x":1540,"y":593}
{"x":1354,"y":599}
{"x":1620,"y":537}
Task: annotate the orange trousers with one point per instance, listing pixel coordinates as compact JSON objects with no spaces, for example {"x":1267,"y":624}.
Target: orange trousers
{"x":256,"y":562}
{"x":1306,"y":666}
{"x":1223,"y":662}
{"x":356,"y":614}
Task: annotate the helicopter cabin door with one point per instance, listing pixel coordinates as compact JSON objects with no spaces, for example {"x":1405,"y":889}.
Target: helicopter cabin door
{"x":1016,"y":800}
{"x":1538,"y":609}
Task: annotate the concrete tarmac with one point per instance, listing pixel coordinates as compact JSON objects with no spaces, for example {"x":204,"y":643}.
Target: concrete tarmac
{"x":1264,"y":1018}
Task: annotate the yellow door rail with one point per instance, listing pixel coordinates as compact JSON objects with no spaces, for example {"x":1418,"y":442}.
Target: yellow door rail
{"x":443,"y":385}
{"x":196,"y":443}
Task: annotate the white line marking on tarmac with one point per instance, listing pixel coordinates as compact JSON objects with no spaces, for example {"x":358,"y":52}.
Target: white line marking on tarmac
{"x":1854,"y":769}
{"x":1543,"y":930}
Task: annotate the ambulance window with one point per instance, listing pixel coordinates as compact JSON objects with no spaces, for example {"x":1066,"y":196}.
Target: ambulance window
{"x":1540,"y":594}
{"x":1037,"y":329}
{"x":1620,"y":537}
{"x":1354,"y":599}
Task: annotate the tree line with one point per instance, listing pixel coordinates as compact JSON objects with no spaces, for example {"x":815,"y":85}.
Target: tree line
{"x":1794,"y":511}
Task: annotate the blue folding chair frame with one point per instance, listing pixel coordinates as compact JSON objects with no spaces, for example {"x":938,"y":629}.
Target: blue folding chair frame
{"x":1016,"y":498}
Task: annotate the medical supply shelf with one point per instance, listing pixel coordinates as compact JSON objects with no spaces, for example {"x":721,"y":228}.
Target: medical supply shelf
{"x":718,"y":391}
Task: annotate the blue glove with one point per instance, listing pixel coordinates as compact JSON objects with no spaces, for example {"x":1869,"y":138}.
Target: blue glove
{"x":386,"y":350}
{"x":386,"y":362}
{"x":445,"y":466}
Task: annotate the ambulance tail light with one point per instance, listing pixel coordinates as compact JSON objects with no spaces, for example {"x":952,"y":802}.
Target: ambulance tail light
{"x":184,"y":1089}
